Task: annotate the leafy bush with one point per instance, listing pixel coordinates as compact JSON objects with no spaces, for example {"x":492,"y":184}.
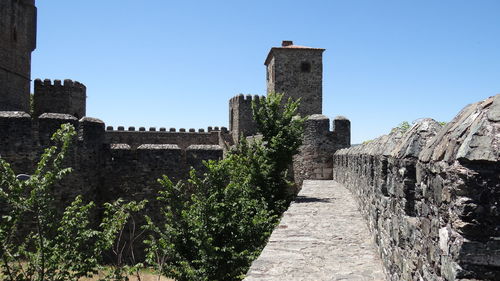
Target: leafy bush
{"x":403,"y":127}
{"x":215,"y":225}
{"x":281,"y":131}
{"x":51,"y":246}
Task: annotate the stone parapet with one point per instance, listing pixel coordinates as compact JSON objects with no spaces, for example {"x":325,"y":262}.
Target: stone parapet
{"x":431,"y":195}
{"x":241,"y":122}
{"x":182,"y":137}
{"x":314,"y":160}
{"x":56,"y":97}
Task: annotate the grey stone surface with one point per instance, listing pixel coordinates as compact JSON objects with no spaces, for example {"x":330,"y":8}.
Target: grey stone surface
{"x":314,"y":160}
{"x":297,"y":71}
{"x":322,"y":236}
{"x":196,"y":153}
{"x":17,"y":41}
{"x":431,"y":196}
{"x":14,"y":114}
{"x":68,"y":98}
{"x":182,"y":138}
{"x":158,"y":146}
{"x":120,"y":146}
{"x":473,"y":135}
{"x":241,"y":120}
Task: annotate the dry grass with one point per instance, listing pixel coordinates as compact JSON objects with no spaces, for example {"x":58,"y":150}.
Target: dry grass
{"x":144,"y":277}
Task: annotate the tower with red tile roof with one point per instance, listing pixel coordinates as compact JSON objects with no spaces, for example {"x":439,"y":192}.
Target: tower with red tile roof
{"x":297,"y":71}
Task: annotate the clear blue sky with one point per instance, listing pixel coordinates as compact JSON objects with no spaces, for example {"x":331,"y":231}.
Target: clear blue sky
{"x":177,"y":63}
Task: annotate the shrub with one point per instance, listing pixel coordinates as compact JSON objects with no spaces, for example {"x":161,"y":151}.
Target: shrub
{"x":403,"y":127}
{"x":216,"y":224}
{"x":52,"y":247}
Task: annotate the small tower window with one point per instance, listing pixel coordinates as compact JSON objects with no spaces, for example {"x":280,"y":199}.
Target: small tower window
{"x":305,"y":67}
{"x":14,"y":34}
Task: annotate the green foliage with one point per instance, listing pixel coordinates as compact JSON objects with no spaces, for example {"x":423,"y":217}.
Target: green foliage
{"x":117,"y":216}
{"x":403,"y":127}
{"x":37,"y":243}
{"x":213,"y":227}
{"x":281,"y":131}
{"x":216,"y":224}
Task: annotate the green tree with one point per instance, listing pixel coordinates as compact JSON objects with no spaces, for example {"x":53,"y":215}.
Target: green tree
{"x":216,"y":224}
{"x":281,"y":131}
{"x":52,"y":246}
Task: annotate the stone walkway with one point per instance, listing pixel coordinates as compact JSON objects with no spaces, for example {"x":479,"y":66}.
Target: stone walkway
{"x":321,"y":237}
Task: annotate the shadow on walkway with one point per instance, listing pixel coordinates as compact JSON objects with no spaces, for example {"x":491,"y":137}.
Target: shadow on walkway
{"x":307,"y":199}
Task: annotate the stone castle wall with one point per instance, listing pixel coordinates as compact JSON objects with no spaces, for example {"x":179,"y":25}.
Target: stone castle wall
{"x":183,"y":138}
{"x":68,"y":98}
{"x":102,"y":171}
{"x":17,"y":41}
{"x":314,"y":160}
{"x":24,"y":139}
{"x":241,"y":122}
{"x":431,"y":195}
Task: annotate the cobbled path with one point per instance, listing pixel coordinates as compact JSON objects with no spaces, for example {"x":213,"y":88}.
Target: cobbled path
{"x":322,"y":236}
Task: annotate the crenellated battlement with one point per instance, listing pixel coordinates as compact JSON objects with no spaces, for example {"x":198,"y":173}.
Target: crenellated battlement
{"x":317,"y":126}
{"x":431,"y":195}
{"x":182,"y":136}
{"x":314,"y":161}
{"x":68,"y":83}
{"x":241,"y":98}
{"x":23,"y":136}
{"x":240,"y":115}
{"x":210,"y":129}
{"x":68,"y":97}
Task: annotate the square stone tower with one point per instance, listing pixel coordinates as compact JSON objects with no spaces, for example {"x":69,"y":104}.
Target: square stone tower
{"x":297,"y":71}
{"x":17,"y":41}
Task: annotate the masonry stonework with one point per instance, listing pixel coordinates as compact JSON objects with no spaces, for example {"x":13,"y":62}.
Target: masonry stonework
{"x":241,"y":122}
{"x":67,"y":98}
{"x":431,"y":195}
{"x":17,"y":41}
{"x":297,"y":71}
{"x":314,"y":161}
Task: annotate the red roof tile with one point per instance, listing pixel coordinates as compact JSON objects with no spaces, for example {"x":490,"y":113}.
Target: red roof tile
{"x":288,"y":45}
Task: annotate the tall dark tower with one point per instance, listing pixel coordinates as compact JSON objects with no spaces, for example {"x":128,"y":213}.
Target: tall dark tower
{"x":297,"y":71}
{"x":17,"y":41}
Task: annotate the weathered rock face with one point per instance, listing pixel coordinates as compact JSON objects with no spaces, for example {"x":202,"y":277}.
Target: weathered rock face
{"x":432,"y":195}
{"x":460,"y":169}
